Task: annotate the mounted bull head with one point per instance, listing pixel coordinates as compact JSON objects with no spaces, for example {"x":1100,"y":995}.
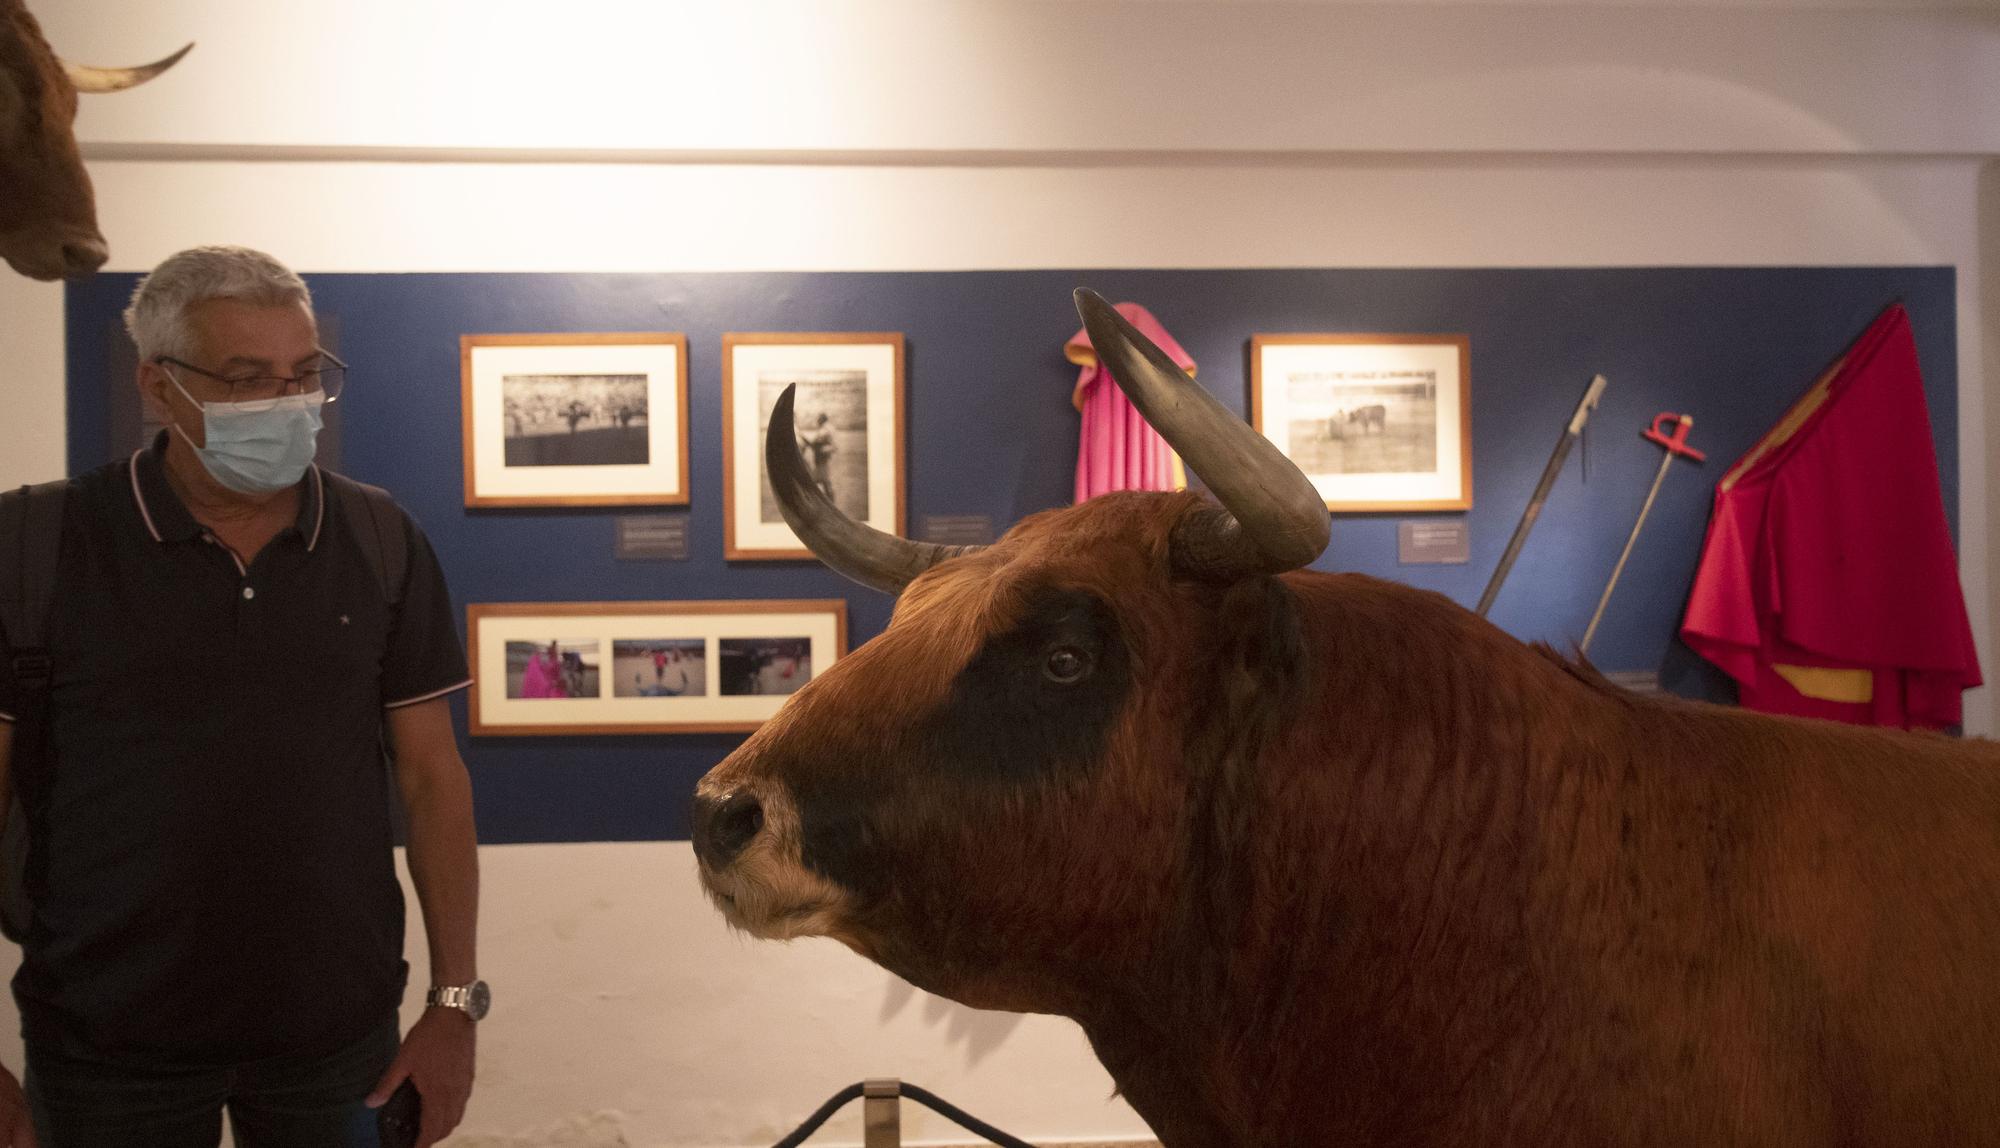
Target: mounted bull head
{"x":48,"y":215}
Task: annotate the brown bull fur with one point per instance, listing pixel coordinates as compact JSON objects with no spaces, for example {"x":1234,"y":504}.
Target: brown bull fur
{"x":1353,"y":867}
{"x":46,"y":203}
{"x":48,"y":213}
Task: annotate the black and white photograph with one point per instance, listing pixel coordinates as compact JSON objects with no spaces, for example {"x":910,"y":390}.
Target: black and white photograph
{"x":575,"y":420}
{"x":754,"y":666}
{"x":1377,"y":422}
{"x":659,"y":668}
{"x":847,"y":426}
{"x":830,"y":416}
{"x":555,"y":669}
{"x":1363,"y":422}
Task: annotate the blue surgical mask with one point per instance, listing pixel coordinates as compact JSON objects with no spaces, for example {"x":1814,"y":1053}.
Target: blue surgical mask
{"x":258,"y":447}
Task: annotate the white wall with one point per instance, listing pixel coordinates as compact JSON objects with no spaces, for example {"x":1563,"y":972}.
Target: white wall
{"x":1016,"y":76}
{"x":31,"y":382}
{"x":1393,"y":136}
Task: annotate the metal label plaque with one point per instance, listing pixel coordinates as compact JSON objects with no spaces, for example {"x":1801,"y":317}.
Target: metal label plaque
{"x":1429,"y":543}
{"x":653,"y":537}
{"x":957,"y":529}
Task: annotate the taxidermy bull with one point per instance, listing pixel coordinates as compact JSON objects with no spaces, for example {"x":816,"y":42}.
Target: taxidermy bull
{"x":1375,"y":415}
{"x":48,"y":214}
{"x":1320,"y":859}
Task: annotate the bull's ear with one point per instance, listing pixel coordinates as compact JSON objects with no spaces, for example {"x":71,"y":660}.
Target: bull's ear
{"x":1262,"y":670}
{"x":1267,"y":638}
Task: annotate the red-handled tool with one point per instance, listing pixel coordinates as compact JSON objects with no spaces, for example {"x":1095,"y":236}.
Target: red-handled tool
{"x":1675,"y":444}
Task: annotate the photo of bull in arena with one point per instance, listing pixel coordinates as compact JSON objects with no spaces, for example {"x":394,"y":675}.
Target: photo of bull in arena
{"x":1323,"y":859}
{"x":575,"y":420}
{"x":1343,"y":426}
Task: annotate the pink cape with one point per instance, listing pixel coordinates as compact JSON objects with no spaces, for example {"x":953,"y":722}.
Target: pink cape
{"x":1828,"y":586}
{"x":540,"y":679}
{"x":1119,"y":450}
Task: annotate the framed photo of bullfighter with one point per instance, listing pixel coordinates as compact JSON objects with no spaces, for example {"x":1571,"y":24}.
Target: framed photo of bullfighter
{"x":575,"y":420}
{"x":848,"y":414}
{"x":1378,"y":422}
{"x":557,"y":668}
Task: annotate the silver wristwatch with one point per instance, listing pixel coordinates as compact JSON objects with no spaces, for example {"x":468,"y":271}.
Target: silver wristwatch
{"x":473,"y":1000}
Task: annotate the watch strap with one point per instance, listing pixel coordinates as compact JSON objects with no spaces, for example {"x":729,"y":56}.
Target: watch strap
{"x":449,"y":996}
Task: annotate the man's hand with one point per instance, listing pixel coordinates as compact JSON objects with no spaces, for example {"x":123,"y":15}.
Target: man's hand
{"x":436,"y":1056}
{"x":16,"y":1129}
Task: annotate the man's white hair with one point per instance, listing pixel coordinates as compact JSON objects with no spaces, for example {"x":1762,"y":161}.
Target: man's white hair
{"x":158,"y":317}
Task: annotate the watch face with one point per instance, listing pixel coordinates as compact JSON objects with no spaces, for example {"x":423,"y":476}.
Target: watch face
{"x":478,"y":999}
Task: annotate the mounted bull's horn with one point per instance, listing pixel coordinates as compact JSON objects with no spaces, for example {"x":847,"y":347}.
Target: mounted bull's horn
{"x":869,"y":556}
{"x":98,"y":80}
{"x":1272,"y":520}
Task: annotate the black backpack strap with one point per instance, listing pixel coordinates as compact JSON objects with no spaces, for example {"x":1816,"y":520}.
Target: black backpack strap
{"x":376,"y":523}
{"x":31,"y":542}
{"x":31,"y":521}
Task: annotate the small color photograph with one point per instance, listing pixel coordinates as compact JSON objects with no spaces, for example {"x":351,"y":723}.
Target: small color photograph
{"x":557,"y":668}
{"x":659,"y":668}
{"x":752,"y":666}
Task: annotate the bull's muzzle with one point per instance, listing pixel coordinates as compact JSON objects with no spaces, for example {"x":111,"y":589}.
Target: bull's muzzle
{"x":56,"y":255}
{"x":724,"y":826}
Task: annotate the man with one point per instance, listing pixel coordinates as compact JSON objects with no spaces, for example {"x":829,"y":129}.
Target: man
{"x":818,"y":442}
{"x":216,"y":918}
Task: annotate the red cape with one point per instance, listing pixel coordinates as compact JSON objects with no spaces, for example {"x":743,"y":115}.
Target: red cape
{"x":1828,"y":586}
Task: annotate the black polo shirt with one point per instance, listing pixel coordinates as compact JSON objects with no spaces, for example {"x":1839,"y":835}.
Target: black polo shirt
{"x":211,"y":862}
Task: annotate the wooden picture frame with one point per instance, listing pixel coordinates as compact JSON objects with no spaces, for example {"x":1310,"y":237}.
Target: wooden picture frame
{"x":1379,"y":422}
{"x":513,"y":390}
{"x":851,"y":380}
{"x":674,"y":667}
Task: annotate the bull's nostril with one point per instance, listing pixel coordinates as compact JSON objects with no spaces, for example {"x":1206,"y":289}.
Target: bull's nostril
{"x":740,"y":820}
{"x":726,"y":826}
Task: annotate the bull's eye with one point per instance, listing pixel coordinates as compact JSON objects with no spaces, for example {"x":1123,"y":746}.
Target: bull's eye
{"x":1066,"y":665}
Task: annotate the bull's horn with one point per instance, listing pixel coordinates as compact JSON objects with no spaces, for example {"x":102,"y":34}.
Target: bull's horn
{"x":1276,"y":520}
{"x":88,"y":79}
{"x":867,"y":555}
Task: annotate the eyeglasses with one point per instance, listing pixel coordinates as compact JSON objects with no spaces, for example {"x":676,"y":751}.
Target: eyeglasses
{"x":327,"y":377}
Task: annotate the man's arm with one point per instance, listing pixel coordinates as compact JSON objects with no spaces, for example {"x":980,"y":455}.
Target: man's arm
{"x":437,"y":1052}
{"x":16,"y":1130}
{"x":444,"y":847}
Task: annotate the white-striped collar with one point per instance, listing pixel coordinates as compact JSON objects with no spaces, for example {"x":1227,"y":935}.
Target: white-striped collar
{"x":153,"y":527}
{"x":139,"y":497}
{"x":319,"y":514}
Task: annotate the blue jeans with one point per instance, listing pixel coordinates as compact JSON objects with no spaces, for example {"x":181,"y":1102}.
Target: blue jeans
{"x":285,"y":1102}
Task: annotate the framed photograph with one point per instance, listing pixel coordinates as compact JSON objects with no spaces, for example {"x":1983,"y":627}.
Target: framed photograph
{"x":644,"y":667}
{"x":1378,"y":422}
{"x":849,"y":418}
{"x":575,"y":420}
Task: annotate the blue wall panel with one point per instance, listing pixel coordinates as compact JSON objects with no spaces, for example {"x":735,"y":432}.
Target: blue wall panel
{"x":991,"y":432}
